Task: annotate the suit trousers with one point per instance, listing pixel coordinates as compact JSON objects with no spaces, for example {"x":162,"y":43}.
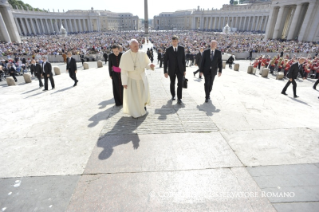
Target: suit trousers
{"x":294,"y":87}
{"x":40,"y":80}
{"x":180,"y":77}
{"x":72,"y":75}
{"x":316,"y":83}
{"x":46,"y":78}
{"x":209,"y":81}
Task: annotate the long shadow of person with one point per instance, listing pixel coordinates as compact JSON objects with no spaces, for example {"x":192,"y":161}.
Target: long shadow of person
{"x":106,"y":103}
{"x":208,"y":107}
{"x":103,"y":115}
{"x":123,"y":132}
{"x":61,"y":90}
{"x":165,"y":110}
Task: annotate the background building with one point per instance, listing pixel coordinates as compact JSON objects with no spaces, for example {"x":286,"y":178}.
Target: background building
{"x":278,"y":19}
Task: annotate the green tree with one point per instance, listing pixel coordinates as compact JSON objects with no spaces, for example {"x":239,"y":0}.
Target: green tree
{"x":231,"y":2}
{"x":16,"y":4}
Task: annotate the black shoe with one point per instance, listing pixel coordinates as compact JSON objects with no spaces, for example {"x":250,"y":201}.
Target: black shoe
{"x":209,"y":97}
{"x":45,"y":90}
{"x":145,"y":109}
{"x":194,"y":74}
{"x":179,"y":101}
{"x":314,"y":87}
{"x":296,"y":97}
{"x":206,"y":100}
{"x":284,"y":93}
{"x":173,"y":98}
{"x":53,"y":88}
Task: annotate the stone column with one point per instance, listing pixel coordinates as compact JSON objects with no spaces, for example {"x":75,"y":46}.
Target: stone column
{"x":8,"y":20}
{"x":292,"y":28}
{"x":4,"y":34}
{"x":271,"y":21}
{"x":249,"y":25}
{"x":28,"y":26}
{"x":37,"y":25}
{"x":266,"y":22}
{"x":75,"y":25}
{"x":80,"y":25}
{"x":278,"y":23}
{"x":23,"y":27}
{"x":146,"y":16}
{"x":70,"y":25}
{"x":57,"y":30}
{"x":44,"y":31}
{"x":241,"y":22}
{"x":52,"y":26}
{"x":18,"y":26}
{"x":305,"y":22}
{"x":32,"y":27}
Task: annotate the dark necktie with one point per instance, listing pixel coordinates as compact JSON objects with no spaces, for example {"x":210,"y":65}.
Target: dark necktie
{"x":212,"y":55}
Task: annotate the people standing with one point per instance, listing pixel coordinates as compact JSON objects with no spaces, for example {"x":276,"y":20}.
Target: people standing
{"x":136,"y":93}
{"x":105,"y":57}
{"x":175,"y":66}
{"x":211,"y":64}
{"x":72,"y":68}
{"x":36,"y":69}
{"x":198,"y":61}
{"x":293,"y":74}
{"x":12,"y":72}
{"x":47,"y":73}
{"x":159,"y":58}
{"x":115,"y":74}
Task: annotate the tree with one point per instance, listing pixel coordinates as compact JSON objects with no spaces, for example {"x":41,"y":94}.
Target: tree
{"x":16,"y":4}
{"x":231,"y":2}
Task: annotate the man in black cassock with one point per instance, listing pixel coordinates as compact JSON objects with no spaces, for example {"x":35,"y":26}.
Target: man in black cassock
{"x":114,"y":62}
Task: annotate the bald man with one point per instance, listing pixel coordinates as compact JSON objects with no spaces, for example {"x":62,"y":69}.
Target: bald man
{"x":210,"y":65}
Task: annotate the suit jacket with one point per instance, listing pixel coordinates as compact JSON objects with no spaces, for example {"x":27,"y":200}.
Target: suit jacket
{"x":105,"y":56}
{"x":37,"y":69}
{"x":293,"y":71}
{"x":208,"y":66}
{"x":159,"y":56}
{"x":170,"y":62}
{"x":198,"y":59}
{"x":47,"y":68}
{"x":71,"y":66}
{"x":230,"y":60}
{"x":114,"y":62}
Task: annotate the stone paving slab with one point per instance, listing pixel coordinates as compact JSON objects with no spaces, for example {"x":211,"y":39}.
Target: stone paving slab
{"x":153,"y":152}
{"x":275,"y":147}
{"x":289,"y":187}
{"x":194,"y":190}
{"x":50,"y":193}
{"x":288,"y":207}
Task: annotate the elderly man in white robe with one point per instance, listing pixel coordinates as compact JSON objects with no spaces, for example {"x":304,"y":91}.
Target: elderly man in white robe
{"x":136,"y":88}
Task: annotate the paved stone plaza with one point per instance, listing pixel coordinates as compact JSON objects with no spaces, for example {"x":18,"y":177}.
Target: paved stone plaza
{"x":71,"y":149}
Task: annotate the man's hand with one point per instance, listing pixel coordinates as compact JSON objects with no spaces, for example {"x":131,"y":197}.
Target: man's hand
{"x":67,"y":70}
{"x":166,"y":75}
{"x":48,"y":75}
{"x":304,"y":78}
{"x":200,"y":74}
{"x":184,"y":73}
{"x":290,"y":80}
{"x":111,"y":77}
{"x":152,"y":66}
{"x":125,"y":86}
{"x":219,"y":74}
{"x":76,"y":71}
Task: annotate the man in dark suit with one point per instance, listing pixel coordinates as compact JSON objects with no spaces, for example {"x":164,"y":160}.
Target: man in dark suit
{"x":71,"y":68}
{"x":198,"y":60}
{"x":36,"y":69}
{"x":230,"y":61}
{"x":293,"y":74}
{"x":175,"y":66}
{"x":12,"y":71}
{"x":47,"y":73}
{"x":211,"y":63}
{"x":159,"y":58}
{"x":105,"y":57}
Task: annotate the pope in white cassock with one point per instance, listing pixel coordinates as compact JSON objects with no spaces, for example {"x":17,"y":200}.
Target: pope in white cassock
{"x":136,"y":88}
